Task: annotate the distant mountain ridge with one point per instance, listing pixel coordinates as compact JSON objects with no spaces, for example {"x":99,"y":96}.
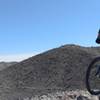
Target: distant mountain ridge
{"x":61,"y":68}
{"x":4,"y":65}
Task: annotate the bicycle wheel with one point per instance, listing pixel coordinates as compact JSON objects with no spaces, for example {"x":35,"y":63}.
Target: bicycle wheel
{"x":93,"y":77}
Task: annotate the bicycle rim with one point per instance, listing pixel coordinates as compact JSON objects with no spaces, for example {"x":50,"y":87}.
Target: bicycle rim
{"x":93,"y":80}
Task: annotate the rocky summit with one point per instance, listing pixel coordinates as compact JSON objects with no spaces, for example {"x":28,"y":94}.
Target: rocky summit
{"x":59,"y":69}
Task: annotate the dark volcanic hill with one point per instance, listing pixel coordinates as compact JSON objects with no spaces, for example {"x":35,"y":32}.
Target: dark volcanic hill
{"x":61,"y":68}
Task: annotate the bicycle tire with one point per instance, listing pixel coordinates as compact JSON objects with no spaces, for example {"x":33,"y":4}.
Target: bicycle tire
{"x":93,"y":92}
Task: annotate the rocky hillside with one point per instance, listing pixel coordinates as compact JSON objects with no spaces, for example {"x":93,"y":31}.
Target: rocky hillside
{"x":67,"y":95}
{"x":62,"y":68}
{"x":4,"y":65}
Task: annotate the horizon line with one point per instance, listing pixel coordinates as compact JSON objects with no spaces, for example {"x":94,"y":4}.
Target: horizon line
{"x":16,"y":57}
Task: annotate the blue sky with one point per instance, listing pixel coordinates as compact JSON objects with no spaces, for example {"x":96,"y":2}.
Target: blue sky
{"x":33,"y":26}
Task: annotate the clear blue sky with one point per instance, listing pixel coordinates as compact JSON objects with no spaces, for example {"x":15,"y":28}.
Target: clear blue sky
{"x":28,"y":26}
